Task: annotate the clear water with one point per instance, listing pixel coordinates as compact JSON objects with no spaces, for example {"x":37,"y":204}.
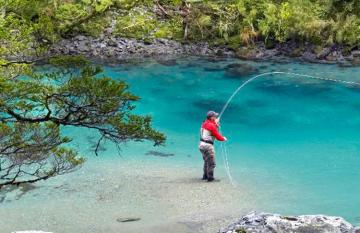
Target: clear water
{"x":293,"y":141}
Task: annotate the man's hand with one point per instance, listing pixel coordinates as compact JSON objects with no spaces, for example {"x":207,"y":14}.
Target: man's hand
{"x":217,"y":121}
{"x":225,"y":139}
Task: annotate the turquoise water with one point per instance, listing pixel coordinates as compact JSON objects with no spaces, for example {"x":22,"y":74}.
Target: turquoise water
{"x":293,"y":140}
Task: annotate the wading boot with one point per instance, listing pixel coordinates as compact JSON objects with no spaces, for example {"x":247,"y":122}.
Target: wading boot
{"x":213,"y":180}
{"x":211,"y":177}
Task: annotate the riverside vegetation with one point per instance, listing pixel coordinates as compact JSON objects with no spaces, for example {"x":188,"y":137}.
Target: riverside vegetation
{"x":234,"y":23}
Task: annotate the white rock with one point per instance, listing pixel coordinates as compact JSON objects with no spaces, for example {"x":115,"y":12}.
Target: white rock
{"x":269,"y":223}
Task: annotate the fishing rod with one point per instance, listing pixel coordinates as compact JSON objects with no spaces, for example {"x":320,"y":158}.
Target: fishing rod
{"x":223,"y":146}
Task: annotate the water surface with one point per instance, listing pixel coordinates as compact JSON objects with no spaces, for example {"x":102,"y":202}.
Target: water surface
{"x":293,"y":142}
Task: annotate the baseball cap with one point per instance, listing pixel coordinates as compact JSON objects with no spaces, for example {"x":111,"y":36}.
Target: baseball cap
{"x":212,"y":114}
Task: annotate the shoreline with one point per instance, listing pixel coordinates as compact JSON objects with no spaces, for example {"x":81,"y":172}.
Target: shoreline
{"x":165,"y":198}
{"x":149,"y":198}
{"x":109,"y":48}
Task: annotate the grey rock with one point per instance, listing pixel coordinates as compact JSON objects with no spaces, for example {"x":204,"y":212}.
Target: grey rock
{"x":308,"y":56}
{"x":128,"y":219}
{"x":111,"y":47}
{"x":101,"y":45}
{"x":325,"y":52}
{"x":123,"y":48}
{"x":82,"y":46}
{"x":112,"y":42}
{"x":80,"y":38}
{"x":356,"y":53}
{"x":275,"y":223}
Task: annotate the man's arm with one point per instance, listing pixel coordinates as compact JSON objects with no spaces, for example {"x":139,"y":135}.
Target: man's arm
{"x":215,"y":132}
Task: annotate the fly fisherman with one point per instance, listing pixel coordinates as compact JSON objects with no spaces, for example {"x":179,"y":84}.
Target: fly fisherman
{"x":208,"y":133}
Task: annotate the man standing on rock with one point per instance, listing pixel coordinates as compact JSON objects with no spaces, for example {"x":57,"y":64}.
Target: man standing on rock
{"x":208,"y":133}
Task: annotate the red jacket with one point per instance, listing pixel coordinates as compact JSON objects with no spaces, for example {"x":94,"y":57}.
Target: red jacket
{"x":210,"y":128}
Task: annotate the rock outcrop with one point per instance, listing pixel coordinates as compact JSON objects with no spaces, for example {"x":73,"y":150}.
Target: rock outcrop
{"x":274,"y":223}
{"x":109,"y":47}
{"x":117,"y":48}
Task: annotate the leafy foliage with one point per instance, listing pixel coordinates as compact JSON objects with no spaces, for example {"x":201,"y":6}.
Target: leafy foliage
{"x":34,"y":107}
{"x":245,"y":21}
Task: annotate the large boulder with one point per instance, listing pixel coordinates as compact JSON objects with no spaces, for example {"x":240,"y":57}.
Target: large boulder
{"x":275,"y":223}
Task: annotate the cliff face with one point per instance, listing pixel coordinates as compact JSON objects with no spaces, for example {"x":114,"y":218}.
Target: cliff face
{"x":274,"y":223}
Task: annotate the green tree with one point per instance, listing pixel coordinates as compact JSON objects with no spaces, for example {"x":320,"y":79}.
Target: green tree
{"x":35,"y":105}
{"x":33,"y":108}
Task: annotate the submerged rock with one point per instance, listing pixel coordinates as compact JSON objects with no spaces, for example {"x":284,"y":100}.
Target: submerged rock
{"x":167,"y":62}
{"x":275,"y":223}
{"x":128,"y":219}
{"x":159,"y":154}
{"x":213,"y":68}
{"x":239,"y":70}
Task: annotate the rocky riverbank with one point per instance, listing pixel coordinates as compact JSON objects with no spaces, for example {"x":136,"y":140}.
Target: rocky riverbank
{"x":117,"y":48}
{"x":108,"y":47}
{"x":274,"y":223}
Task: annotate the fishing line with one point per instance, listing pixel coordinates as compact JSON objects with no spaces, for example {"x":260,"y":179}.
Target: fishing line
{"x":226,"y":162}
{"x":223,"y":146}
